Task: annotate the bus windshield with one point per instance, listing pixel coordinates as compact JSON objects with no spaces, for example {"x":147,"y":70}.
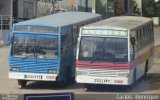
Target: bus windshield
{"x":104,"y":49}
{"x":30,"y":46}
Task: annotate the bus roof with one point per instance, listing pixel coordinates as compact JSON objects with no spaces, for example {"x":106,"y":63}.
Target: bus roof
{"x":60,"y":19}
{"x":120,"y":23}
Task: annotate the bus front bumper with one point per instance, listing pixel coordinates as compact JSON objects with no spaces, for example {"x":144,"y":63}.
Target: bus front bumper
{"x":103,"y":80}
{"x":32,"y":76}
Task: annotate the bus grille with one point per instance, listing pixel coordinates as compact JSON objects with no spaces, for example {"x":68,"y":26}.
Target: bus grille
{"x":31,"y":66}
{"x":101,"y":73}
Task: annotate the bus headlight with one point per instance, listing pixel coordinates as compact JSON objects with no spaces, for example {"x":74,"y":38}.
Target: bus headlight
{"x":81,"y":73}
{"x":52,"y":71}
{"x":123,"y":75}
{"x":15,"y":69}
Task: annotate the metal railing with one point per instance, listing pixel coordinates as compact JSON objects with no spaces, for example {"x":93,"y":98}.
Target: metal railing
{"x":4,"y":22}
{"x":4,"y":28}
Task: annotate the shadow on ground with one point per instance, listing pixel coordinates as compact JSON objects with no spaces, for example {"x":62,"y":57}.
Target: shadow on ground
{"x":142,"y":85}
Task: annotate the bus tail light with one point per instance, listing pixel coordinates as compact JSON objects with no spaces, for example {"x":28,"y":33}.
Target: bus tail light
{"x":118,"y":81}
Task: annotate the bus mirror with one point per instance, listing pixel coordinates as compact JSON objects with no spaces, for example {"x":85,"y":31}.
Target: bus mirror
{"x":133,"y":40}
{"x":78,"y":39}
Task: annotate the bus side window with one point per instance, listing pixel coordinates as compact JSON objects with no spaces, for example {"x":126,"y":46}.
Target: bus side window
{"x":143,"y":36}
{"x":137,"y":40}
{"x":140,"y":38}
{"x":74,"y":35}
{"x":152,"y":31}
{"x":66,"y":37}
{"x":63,"y":39}
{"x":148,"y":34}
{"x":63,"y":46}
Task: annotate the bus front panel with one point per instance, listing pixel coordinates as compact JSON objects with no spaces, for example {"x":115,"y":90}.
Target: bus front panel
{"x":103,"y":60}
{"x":34,"y":57}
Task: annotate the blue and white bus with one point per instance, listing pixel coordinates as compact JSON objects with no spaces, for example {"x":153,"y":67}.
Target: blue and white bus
{"x":43,"y":49}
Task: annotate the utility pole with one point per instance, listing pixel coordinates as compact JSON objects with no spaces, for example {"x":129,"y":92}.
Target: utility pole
{"x":11,"y":14}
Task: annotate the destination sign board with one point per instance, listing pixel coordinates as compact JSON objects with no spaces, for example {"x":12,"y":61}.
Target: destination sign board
{"x":105,"y":32}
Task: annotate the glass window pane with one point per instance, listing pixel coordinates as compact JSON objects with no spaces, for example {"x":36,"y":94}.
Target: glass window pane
{"x":105,"y":49}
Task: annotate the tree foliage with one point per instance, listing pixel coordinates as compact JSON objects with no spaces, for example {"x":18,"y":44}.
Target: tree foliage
{"x":136,"y":10}
{"x":151,"y":8}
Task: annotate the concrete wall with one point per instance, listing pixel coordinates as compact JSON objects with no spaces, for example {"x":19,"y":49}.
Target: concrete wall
{"x":20,"y":8}
{"x":22,"y":5}
{"x":5,"y":7}
{"x":70,"y":5}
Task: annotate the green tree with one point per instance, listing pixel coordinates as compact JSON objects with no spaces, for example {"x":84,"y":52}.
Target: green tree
{"x":150,"y":8}
{"x":136,"y":10}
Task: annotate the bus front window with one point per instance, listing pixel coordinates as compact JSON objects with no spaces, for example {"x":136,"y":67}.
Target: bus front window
{"x":47,"y":48}
{"x":31,"y":46}
{"x":104,"y":49}
{"x":23,"y":46}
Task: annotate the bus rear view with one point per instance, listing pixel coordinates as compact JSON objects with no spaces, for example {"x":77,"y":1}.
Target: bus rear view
{"x":108,"y":53}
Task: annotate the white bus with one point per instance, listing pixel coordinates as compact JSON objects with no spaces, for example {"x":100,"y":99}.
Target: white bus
{"x":115,"y":51}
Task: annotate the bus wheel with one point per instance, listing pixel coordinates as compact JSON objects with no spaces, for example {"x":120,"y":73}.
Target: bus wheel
{"x":87,"y":87}
{"x":22,"y":83}
{"x":145,"y":71}
{"x":133,"y":80}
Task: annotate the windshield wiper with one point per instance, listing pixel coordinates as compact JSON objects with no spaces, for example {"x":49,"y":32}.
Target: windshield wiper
{"x":94,"y":60}
{"x":27,"y":57}
{"x":96,"y":57}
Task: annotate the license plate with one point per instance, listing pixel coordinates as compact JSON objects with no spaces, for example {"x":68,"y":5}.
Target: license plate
{"x":101,"y":80}
{"x":33,"y":76}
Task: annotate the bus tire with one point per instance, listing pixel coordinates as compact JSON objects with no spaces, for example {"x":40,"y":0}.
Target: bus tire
{"x":133,"y":80}
{"x":87,"y":87}
{"x":145,"y":71}
{"x":22,"y":83}
{"x":68,"y":75}
{"x":62,"y":84}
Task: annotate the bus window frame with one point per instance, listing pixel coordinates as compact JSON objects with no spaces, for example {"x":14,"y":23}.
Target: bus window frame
{"x":34,"y":34}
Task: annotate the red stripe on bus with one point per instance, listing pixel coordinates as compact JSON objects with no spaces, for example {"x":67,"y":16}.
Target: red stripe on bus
{"x":145,"y":56}
{"x":101,"y":65}
{"x":112,"y":66}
